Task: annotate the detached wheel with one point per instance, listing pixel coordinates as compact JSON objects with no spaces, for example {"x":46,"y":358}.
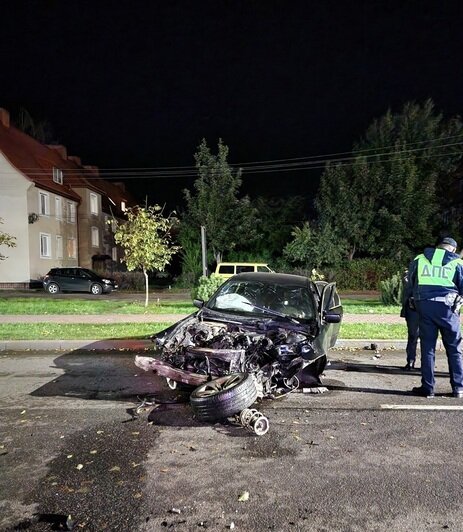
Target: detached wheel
{"x":223,"y":397}
{"x":53,"y":288}
{"x":96,"y":289}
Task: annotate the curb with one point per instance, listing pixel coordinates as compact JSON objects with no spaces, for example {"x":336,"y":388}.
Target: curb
{"x":143,"y":344}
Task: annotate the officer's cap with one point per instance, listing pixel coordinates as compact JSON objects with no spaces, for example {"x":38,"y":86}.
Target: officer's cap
{"x":449,"y":241}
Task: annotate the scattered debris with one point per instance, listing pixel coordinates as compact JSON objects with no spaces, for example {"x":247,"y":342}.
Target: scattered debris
{"x":315,"y":390}
{"x":254,"y":421}
{"x":79,"y":466}
{"x":70,"y":523}
{"x":175,"y":511}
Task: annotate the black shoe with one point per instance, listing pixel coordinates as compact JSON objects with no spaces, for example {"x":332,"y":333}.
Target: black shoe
{"x":458,"y":394}
{"x":409,"y":366}
{"x":423,"y":393}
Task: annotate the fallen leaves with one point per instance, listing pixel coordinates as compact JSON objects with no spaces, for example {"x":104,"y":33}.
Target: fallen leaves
{"x":244,"y":496}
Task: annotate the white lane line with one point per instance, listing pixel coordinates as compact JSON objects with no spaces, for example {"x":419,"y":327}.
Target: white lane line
{"x":421,"y":407}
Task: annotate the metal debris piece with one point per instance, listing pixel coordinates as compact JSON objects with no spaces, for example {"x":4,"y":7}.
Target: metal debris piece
{"x":254,"y":421}
{"x":315,"y":390}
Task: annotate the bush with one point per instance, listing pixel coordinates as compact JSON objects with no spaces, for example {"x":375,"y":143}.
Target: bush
{"x":206,"y":287}
{"x":392,"y":290}
{"x":127,"y":280}
{"x":362,"y":274}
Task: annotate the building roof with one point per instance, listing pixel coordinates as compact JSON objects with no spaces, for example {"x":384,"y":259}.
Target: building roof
{"x":36,"y":161}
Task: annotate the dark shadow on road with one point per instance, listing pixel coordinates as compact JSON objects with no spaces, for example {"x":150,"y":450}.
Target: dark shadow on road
{"x":377,"y":368}
{"x":95,"y":374}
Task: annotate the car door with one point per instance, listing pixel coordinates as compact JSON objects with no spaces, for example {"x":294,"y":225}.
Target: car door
{"x":82,"y":281}
{"x":64,"y":278}
{"x":329,"y":314}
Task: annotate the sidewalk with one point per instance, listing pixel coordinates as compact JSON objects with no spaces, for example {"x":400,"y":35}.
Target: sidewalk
{"x":159,"y":318}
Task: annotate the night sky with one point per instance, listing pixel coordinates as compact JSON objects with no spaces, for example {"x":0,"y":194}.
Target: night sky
{"x":139,"y":84}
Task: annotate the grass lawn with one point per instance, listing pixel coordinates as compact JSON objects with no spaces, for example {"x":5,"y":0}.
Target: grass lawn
{"x":52,"y":331}
{"x":49,"y":305}
{"x":78,"y":331}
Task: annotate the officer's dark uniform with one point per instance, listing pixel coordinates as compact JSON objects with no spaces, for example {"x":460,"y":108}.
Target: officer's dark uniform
{"x":437,"y":279}
{"x":410,"y":314}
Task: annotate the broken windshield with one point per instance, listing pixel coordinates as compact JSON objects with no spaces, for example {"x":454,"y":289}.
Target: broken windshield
{"x":255,"y":297}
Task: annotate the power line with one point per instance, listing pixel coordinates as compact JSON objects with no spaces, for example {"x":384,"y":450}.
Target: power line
{"x":246,"y":172}
{"x":180,"y":170}
{"x":257,"y":169}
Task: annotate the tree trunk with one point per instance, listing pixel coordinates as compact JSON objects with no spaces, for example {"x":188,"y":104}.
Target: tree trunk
{"x":218,"y":256}
{"x":351,"y":253}
{"x":145,"y":273}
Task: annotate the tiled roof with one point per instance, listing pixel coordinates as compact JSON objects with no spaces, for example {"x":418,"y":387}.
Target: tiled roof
{"x":36,"y":161}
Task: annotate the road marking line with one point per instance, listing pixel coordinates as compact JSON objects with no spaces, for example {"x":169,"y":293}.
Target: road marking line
{"x":421,"y":407}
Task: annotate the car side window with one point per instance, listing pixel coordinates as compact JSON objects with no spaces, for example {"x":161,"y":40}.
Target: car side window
{"x":226,"y":269}
{"x":264,"y":269}
{"x":244,"y":269}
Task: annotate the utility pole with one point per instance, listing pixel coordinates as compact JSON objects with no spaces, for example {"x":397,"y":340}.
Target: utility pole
{"x":203,"y":249}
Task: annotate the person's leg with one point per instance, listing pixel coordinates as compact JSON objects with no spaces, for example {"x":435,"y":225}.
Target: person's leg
{"x":428,"y":338}
{"x":450,"y":330}
{"x":412,"y":320}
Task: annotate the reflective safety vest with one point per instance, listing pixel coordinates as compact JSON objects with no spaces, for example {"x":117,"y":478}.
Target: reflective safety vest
{"x":434,"y":273}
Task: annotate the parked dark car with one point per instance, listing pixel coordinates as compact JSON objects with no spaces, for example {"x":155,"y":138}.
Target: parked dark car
{"x":77,"y":280}
{"x":259,"y":335}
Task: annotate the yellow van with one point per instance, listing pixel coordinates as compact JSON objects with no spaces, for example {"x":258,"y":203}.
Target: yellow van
{"x":227,"y":269}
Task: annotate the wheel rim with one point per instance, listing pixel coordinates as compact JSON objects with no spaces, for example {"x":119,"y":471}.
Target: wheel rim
{"x":53,"y":289}
{"x":218,"y":385}
{"x":96,"y":289}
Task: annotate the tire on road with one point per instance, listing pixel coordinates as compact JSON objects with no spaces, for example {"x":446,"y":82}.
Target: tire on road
{"x":52,"y":288}
{"x":96,"y":289}
{"x":223,"y":397}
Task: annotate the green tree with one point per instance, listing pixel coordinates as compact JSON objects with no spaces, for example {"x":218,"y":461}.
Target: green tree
{"x":313,"y":247}
{"x":146,"y":240}
{"x":387,"y":200}
{"x":229,"y":220}
{"x":6,"y":240}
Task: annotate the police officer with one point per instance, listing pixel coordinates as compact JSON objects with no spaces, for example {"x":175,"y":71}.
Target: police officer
{"x":437,"y":279}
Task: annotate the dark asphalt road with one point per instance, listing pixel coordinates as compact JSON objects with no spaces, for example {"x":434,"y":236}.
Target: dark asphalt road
{"x":345,"y":460}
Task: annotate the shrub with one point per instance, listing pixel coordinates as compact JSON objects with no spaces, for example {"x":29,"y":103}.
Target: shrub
{"x":362,"y":274}
{"x":127,"y":280}
{"x":206,"y":287}
{"x":392,"y":290}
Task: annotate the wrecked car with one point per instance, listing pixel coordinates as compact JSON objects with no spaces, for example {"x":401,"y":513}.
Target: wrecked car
{"x":258,"y":336}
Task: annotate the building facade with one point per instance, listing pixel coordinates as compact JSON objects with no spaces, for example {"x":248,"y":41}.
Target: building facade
{"x":56,"y":209}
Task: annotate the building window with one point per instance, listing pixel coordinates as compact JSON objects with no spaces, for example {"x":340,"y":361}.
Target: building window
{"x":44,"y":203}
{"x":58,"y":176}
{"x":93,"y":203}
{"x":114,"y":254}
{"x":58,"y":208}
{"x":59,"y":247}
{"x":123,"y":207}
{"x":95,"y":237}
{"x":71,"y":212}
{"x":72,"y":248}
{"x":45,"y":245}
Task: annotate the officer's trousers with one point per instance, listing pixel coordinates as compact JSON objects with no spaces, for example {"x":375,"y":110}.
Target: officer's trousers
{"x":437,"y":317}
{"x":412,"y":319}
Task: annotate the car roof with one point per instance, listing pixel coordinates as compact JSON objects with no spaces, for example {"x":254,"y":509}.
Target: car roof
{"x":277,"y":278}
